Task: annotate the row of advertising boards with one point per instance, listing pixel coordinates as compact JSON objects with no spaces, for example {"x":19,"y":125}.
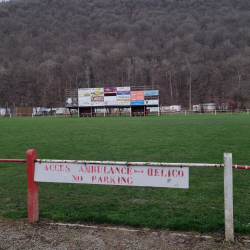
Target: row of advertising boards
{"x":115,"y":96}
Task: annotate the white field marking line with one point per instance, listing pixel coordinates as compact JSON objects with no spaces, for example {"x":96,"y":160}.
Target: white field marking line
{"x":95,"y":227}
{"x":186,"y":235}
{"x":206,"y":237}
{"x":124,"y":229}
{"x":178,"y":234}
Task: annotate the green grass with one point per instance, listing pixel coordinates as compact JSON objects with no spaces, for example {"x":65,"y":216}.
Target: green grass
{"x":176,"y":138}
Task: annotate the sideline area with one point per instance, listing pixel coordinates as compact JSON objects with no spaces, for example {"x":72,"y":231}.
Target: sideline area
{"x":19,"y":234}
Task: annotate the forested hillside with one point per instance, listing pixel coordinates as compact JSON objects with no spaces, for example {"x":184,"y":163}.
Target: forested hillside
{"x":196,"y":50}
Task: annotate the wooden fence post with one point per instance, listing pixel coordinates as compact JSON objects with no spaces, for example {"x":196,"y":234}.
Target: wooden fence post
{"x":33,"y":208}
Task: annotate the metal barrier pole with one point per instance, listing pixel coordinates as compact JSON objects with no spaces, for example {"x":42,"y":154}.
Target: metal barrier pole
{"x":33,"y":208}
{"x":228,"y":197}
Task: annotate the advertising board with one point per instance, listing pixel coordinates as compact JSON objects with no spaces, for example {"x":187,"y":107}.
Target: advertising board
{"x":110,"y":90}
{"x":97,"y":97}
{"x":151,"y":102}
{"x":150,"y":92}
{"x":84,"y":98}
{"x":83,"y":92}
{"x":72,"y":102}
{"x":97,"y":90}
{"x":112,"y":96}
{"x":137,"y":95}
{"x":136,"y":103}
{"x":123,"y":98}
{"x":110,"y":101}
{"x":123,"y":89}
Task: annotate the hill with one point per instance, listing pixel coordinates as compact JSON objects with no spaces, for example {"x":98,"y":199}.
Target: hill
{"x":196,"y":50}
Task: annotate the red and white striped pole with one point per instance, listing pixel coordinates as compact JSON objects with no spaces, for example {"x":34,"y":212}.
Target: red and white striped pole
{"x":33,"y":208}
{"x":241,"y":167}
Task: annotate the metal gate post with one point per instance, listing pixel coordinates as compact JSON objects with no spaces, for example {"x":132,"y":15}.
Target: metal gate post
{"x":228,"y":197}
{"x":33,"y":208}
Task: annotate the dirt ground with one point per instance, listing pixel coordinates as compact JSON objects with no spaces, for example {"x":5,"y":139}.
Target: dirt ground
{"x":19,"y":234}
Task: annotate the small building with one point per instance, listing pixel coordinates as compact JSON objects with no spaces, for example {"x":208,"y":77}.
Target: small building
{"x":209,"y":107}
{"x":39,"y":110}
{"x":172,"y":108}
{"x":62,"y":111}
{"x":175,"y":108}
{"x":4,"y":111}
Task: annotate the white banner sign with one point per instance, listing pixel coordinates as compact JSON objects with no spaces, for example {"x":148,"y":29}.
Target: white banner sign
{"x":84,"y":98}
{"x":123,"y":103}
{"x":110,"y":101}
{"x":151,"y":102}
{"x":171,"y":177}
{"x":123,"y":89}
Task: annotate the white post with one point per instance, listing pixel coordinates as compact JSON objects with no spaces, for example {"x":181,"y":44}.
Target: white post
{"x":228,"y":197}
{"x":248,"y":111}
{"x":185,"y":112}
{"x":104,"y":112}
{"x":32,"y":115}
{"x":215,"y":111}
{"x":130,"y":111}
{"x":158,"y":109}
{"x":10,"y":115}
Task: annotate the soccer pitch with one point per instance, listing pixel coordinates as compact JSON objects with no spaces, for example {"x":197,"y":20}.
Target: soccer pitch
{"x":177,"y":138}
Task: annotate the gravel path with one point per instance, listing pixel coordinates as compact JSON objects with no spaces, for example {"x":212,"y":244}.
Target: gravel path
{"x":19,"y":234}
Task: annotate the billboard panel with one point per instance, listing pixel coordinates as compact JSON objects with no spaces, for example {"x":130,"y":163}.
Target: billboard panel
{"x":123,"y":89}
{"x":97,"y":99}
{"x":110,"y":101}
{"x":69,"y":102}
{"x":83,"y":92}
{"x":123,"y":98}
{"x":97,"y":104}
{"x":97,"y":96}
{"x":123,"y":103}
{"x":112,"y":96}
{"x":75,"y":101}
{"x":150,"y":92}
{"x":83,"y":103}
{"x":96,"y":90}
{"x":84,"y":98}
{"x":136,"y":103}
{"x":123,"y":93}
{"x":151,"y":102}
{"x":72,"y":102}
{"x":137,"y":95}
{"x":110,"y":90}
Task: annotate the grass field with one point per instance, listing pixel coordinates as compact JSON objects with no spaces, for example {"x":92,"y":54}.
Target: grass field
{"x":176,"y":138}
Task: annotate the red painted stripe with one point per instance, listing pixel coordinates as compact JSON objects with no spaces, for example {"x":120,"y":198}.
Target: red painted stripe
{"x":241,"y":166}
